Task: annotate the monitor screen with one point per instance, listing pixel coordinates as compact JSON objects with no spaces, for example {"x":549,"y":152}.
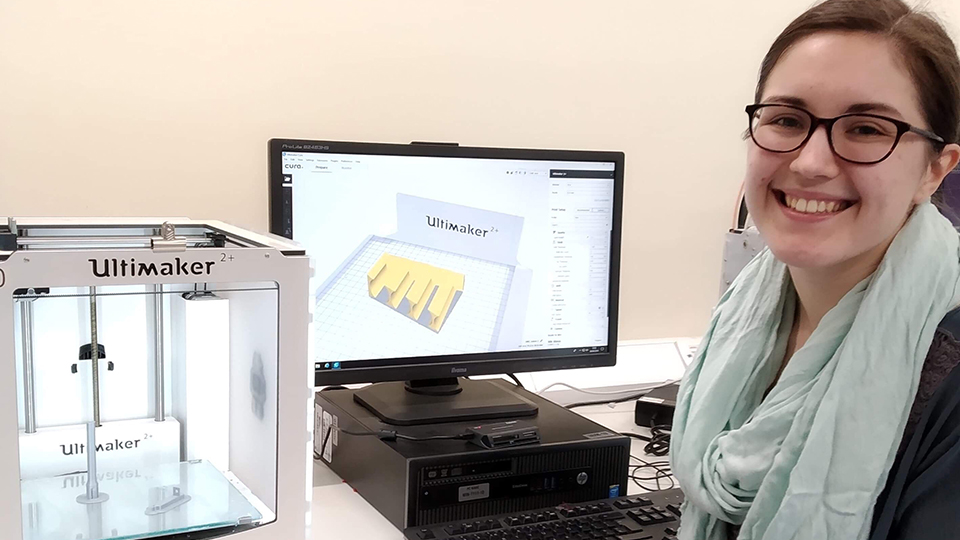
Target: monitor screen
{"x":434,"y":261}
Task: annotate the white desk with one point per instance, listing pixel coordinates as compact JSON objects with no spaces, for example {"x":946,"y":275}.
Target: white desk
{"x":340,"y":513}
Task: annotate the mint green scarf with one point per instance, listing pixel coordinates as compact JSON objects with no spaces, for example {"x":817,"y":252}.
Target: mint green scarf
{"x":809,"y":461}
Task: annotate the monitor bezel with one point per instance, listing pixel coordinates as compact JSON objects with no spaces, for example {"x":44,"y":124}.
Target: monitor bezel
{"x":489,"y":363}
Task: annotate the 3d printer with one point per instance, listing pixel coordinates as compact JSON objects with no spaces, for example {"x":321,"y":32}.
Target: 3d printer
{"x":156,"y":373}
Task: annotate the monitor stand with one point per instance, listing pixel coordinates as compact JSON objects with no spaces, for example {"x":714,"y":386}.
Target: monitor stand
{"x":435,"y":401}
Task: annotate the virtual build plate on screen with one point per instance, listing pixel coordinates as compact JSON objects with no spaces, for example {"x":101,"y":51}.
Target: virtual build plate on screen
{"x":446,"y":282}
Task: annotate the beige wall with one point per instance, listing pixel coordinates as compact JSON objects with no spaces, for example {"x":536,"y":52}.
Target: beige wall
{"x":130,"y":107}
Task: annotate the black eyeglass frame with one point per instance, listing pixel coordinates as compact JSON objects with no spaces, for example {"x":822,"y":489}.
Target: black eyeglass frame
{"x":816,"y":122}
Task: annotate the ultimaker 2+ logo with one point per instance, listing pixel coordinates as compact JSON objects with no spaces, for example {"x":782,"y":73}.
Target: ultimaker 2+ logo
{"x":132,"y":268}
{"x":468,"y":229}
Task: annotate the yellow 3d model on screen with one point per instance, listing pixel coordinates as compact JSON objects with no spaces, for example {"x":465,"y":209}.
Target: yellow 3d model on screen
{"x":425,"y":293}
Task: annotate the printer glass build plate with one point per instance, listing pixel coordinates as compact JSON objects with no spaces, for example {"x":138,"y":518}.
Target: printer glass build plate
{"x":51,"y":511}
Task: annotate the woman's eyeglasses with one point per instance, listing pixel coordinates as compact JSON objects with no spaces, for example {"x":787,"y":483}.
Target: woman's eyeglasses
{"x":859,"y":138}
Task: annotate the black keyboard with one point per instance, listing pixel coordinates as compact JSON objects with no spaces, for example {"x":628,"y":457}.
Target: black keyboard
{"x":652,"y":516}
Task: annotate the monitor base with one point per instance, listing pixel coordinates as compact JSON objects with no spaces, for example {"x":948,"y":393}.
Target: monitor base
{"x":442,"y":400}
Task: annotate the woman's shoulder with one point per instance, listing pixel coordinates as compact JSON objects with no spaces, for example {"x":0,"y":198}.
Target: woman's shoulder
{"x":944,"y":354}
{"x":950,"y":325}
{"x":942,"y":358}
{"x":945,"y":350}
{"x":911,"y":501}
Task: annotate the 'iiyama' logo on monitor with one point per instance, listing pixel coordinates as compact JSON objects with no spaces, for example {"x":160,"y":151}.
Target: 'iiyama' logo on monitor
{"x":132,"y":268}
{"x":458,"y":370}
{"x":456,"y":227}
{"x":305,"y":146}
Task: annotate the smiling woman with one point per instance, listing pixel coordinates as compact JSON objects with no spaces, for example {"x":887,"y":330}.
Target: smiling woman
{"x":847,"y":74}
{"x":826,"y":375}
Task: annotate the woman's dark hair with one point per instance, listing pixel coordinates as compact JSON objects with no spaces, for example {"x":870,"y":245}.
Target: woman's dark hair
{"x":928,"y":53}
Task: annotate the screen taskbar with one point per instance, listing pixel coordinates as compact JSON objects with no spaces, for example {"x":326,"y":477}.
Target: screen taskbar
{"x":340,"y":365}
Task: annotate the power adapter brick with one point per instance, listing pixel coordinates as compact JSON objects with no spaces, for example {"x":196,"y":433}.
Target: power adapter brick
{"x":656,"y":408}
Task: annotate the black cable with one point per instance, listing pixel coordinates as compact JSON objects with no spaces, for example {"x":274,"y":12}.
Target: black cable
{"x":617,"y":400}
{"x":658,"y":478}
{"x":637,"y":436}
{"x":326,"y":437}
{"x":389,"y":435}
{"x":515,"y":379}
{"x":385,"y":435}
{"x":606,"y":401}
{"x":659,"y":442}
{"x":662,"y":469}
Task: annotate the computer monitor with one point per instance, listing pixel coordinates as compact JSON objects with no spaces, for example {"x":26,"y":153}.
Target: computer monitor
{"x":437,"y":261}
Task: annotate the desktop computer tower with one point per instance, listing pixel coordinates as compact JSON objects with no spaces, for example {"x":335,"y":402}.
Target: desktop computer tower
{"x":419,"y":483}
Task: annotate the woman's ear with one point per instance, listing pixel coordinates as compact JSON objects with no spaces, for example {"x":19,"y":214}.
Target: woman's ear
{"x":939,"y":168}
